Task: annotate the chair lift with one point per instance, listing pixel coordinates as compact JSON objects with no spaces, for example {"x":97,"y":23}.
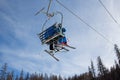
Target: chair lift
{"x":52,"y":34}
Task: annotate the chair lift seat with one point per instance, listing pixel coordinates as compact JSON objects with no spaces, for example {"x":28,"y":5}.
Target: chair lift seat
{"x":50,"y":34}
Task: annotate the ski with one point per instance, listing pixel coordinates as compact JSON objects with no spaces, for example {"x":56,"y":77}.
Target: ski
{"x":60,"y":50}
{"x":70,"y":46}
{"x":51,"y":55}
{"x":65,"y":48}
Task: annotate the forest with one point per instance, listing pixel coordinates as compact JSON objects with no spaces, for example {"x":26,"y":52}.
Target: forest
{"x":101,"y":73}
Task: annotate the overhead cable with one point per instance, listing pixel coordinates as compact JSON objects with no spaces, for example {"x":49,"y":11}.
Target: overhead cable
{"x":84,"y":22}
{"x":108,"y":12}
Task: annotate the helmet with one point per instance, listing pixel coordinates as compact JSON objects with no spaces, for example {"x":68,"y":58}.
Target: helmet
{"x":63,"y":30}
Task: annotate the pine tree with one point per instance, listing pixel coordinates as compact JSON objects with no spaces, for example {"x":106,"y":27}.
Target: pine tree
{"x":3,"y":72}
{"x":45,"y":77}
{"x":10,"y":76}
{"x":117,"y":50}
{"x":117,"y":71}
{"x":21,"y":76}
{"x":60,"y":78}
{"x":27,"y":76}
{"x":40,"y":76}
{"x":16,"y":77}
{"x":102,"y":70}
{"x":93,"y":70}
{"x":90,"y":73}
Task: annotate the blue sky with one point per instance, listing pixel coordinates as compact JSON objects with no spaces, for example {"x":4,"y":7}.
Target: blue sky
{"x":21,"y":48}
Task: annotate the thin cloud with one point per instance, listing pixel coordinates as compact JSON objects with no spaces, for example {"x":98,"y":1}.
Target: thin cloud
{"x":28,"y":54}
